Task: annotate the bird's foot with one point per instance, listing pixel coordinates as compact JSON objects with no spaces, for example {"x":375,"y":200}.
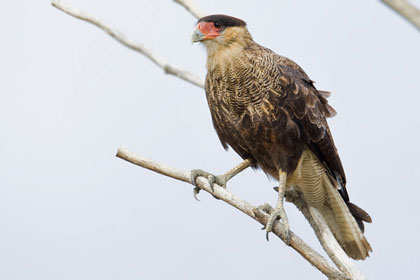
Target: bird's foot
{"x":220,"y":180}
{"x":275,"y":214}
{"x":266,"y":208}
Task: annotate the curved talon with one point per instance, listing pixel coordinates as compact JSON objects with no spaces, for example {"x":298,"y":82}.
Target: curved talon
{"x":196,"y":190}
{"x":287,"y":237}
{"x":276,"y":214}
{"x":266,"y":208}
{"x":211,"y":178}
{"x":194,"y":177}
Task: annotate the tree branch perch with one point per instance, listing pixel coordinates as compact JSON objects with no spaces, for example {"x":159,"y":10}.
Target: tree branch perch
{"x":325,"y":236}
{"x":279,"y":230}
{"x":347,"y":270}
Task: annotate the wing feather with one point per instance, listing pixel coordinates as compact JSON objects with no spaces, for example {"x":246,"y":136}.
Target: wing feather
{"x":308,"y":109}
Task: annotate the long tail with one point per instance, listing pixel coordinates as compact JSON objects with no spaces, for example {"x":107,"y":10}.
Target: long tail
{"x":343,"y":218}
{"x":344,"y":225}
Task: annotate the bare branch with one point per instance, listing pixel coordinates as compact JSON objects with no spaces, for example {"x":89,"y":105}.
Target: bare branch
{"x":325,"y":236}
{"x":279,"y":230}
{"x":154,"y":57}
{"x":191,"y":7}
{"x":331,"y":246}
{"x":321,"y":229}
{"x":406,"y":10}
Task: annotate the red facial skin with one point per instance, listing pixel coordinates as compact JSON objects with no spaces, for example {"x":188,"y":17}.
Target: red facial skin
{"x":208,"y":29}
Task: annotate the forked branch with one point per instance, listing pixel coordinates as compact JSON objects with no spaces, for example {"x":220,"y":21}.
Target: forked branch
{"x":279,"y":230}
{"x":337,"y":255}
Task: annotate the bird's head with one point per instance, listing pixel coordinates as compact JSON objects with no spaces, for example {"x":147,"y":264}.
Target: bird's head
{"x":216,"y":31}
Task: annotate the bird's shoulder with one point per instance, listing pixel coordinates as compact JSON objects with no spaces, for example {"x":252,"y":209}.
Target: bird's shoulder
{"x":294,"y":98}
{"x":290,"y":82}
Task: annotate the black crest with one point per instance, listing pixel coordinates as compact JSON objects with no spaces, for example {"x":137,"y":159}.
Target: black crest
{"x":223,"y":20}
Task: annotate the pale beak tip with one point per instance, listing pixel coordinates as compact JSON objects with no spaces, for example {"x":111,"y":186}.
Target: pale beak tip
{"x":197,"y":36}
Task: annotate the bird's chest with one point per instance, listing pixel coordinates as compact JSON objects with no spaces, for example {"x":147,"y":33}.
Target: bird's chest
{"x":231,"y":93}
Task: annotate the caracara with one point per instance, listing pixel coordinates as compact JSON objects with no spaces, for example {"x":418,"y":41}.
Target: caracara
{"x":266,"y":108}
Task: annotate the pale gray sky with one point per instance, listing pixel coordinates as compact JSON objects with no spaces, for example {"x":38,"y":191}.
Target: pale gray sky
{"x":71,"y":95}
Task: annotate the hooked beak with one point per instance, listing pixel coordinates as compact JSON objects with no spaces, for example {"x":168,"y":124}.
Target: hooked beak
{"x":197,"y":36}
{"x":205,"y":31}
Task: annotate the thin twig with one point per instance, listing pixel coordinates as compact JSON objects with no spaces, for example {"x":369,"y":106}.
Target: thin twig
{"x":406,"y":10}
{"x":154,"y":57}
{"x":279,"y":229}
{"x":191,"y":7}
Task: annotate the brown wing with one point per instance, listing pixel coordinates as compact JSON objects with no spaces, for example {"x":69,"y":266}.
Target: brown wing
{"x":266,"y":107}
{"x":309,"y":109}
{"x":293,"y":111}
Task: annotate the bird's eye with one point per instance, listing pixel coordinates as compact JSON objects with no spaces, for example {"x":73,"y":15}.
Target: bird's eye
{"x":217,"y":24}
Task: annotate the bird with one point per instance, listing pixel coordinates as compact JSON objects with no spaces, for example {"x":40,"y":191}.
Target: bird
{"x":266,"y":108}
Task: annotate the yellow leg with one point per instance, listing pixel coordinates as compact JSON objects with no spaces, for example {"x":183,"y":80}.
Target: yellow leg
{"x":221,"y":180}
{"x":236,"y":170}
{"x":279,"y":211}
